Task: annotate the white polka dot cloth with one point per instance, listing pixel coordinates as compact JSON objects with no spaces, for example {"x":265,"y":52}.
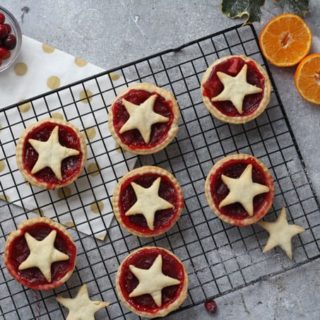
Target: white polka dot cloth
{"x":41,"y":68}
{"x":85,"y":204}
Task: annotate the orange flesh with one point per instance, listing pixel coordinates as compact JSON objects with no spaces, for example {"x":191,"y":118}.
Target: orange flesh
{"x":307,"y":78}
{"x":285,"y":40}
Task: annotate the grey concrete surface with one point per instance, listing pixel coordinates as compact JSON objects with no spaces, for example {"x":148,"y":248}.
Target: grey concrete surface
{"x":292,"y":295}
{"x":112,"y":32}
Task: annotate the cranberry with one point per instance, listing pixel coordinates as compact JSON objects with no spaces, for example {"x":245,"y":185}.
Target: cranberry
{"x":3,"y":31}
{"x":9,"y":29}
{"x":210,"y":306}
{"x":10,"y":42}
{"x":2,"y":17}
{"x":4,"y":53}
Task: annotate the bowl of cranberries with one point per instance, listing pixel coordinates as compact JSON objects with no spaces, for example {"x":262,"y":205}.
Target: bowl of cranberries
{"x":10,"y":39}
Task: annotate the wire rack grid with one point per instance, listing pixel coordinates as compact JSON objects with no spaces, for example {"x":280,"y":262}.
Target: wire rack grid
{"x":219,"y":258}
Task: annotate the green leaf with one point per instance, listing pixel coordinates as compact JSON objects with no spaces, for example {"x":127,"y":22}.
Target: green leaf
{"x":250,"y":9}
{"x":300,"y":7}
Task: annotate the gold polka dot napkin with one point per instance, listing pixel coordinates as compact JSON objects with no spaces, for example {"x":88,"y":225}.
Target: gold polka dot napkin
{"x":85,"y":204}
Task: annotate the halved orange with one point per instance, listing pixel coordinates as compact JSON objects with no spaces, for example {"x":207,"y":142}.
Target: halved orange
{"x":285,"y":40}
{"x":307,"y":78}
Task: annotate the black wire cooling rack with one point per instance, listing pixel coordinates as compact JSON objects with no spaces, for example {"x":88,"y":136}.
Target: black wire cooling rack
{"x":219,"y":258}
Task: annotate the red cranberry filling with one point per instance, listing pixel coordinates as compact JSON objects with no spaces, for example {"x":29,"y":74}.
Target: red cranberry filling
{"x":144,"y":259}
{"x":163,"y":218}
{"x":68,"y":138}
{"x":19,"y":251}
{"x":213,"y":86}
{"x":234,"y":169}
{"x":133,"y":138}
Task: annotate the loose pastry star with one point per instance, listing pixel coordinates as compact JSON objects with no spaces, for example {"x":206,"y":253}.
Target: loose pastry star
{"x":152,"y":281}
{"x":280,"y":233}
{"x":51,"y":153}
{"x":142,"y":117}
{"x":242,"y":190}
{"x":81,"y":307}
{"x":235,"y":88}
{"x":148,"y":202}
{"x":42,"y":254}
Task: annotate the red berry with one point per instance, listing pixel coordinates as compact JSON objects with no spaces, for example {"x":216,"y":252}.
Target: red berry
{"x":4,"y":53}
{"x":210,"y":306}
{"x":2,"y":17}
{"x":10,"y":42}
{"x":9,"y":29}
{"x":3,"y":31}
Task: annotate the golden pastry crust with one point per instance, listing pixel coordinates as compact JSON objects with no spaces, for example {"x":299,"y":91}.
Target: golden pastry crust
{"x":164,"y":311}
{"x":149,"y":87}
{"x":17,"y":233}
{"x":238,"y":119}
{"x":280,"y":233}
{"x":19,"y":154}
{"x":141,"y":171}
{"x":81,"y":307}
{"x":250,"y":219}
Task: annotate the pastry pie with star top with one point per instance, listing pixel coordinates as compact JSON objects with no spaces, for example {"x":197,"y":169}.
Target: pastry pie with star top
{"x":148,"y":201}
{"x":239,"y":189}
{"x":235,"y":89}
{"x":152,"y":282}
{"x":144,"y":118}
{"x":41,"y":254}
{"x":51,"y":153}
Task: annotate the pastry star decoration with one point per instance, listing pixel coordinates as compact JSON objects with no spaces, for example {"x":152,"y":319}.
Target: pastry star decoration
{"x":81,"y":307}
{"x":42,"y":254}
{"x":242,"y":190}
{"x":152,"y":281}
{"x":142,"y":117}
{"x":280,"y":233}
{"x":148,"y":202}
{"x":235,"y":88}
{"x":51,"y":153}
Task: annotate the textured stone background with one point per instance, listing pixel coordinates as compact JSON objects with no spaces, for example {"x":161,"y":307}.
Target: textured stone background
{"x":112,"y":32}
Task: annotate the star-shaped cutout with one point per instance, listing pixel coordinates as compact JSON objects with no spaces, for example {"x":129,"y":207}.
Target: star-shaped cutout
{"x":148,"y":202}
{"x":152,"y":281}
{"x":142,"y":117}
{"x":81,"y":307}
{"x":235,"y":88}
{"x":42,"y":254}
{"x":242,"y":190}
{"x":51,"y":153}
{"x":280,"y":233}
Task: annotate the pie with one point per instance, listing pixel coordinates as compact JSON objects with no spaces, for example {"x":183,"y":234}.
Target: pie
{"x":239,"y":189}
{"x":144,"y":118}
{"x":41,"y":254}
{"x":148,"y":201}
{"x":235,"y":89}
{"x":51,"y":153}
{"x":152,"y":282}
